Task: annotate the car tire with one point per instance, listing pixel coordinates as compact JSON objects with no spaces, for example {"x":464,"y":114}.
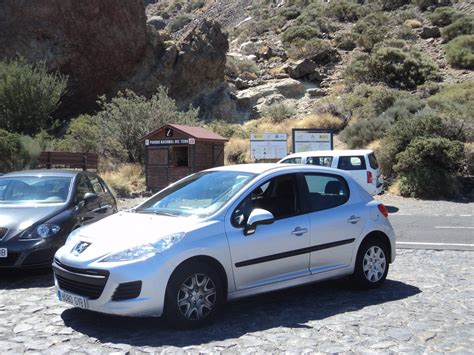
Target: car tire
{"x":194,"y":296}
{"x":372,"y":264}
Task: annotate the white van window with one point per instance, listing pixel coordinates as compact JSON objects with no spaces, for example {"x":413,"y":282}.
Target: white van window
{"x":296,"y":160}
{"x":374,"y":164}
{"x":352,"y":163}
{"x":320,"y":161}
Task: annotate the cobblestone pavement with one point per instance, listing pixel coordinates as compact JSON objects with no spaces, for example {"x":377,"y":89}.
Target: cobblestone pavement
{"x":427,"y":304}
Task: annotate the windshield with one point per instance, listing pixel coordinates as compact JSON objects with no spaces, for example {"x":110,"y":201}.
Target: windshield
{"x":200,"y":194}
{"x":34,"y":189}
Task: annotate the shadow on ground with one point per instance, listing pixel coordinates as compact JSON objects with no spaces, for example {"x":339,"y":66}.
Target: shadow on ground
{"x":289,"y":308}
{"x":27,"y":278}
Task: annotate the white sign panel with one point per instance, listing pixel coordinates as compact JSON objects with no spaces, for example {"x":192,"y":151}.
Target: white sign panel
{"x":268,"y":146}
{"x":307,"y":140}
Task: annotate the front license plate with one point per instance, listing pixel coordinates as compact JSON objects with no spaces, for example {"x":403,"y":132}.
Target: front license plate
{"x":76,"y":301}
{"x":3,"y":252}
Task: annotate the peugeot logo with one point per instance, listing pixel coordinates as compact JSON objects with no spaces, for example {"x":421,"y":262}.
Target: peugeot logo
{"x":80,"y":247}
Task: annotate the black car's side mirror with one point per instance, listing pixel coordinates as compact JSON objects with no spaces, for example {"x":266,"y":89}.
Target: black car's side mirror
{"x":257,"y":217}
{"x":90,"y":197}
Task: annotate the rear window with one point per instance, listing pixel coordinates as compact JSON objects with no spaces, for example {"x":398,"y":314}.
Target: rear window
{"x":374,"y":164}
{"x":354,"y":162}
{"x":292,"y":160}
{"x":320,"y":161}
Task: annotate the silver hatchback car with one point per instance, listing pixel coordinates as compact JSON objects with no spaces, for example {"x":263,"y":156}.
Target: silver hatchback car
{"x":222,"y":234}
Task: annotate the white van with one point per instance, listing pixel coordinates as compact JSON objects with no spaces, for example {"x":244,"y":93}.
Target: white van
{"x":361,"y":164}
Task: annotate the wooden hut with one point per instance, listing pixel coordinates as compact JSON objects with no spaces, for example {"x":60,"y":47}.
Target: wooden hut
{"x":175,"y":151}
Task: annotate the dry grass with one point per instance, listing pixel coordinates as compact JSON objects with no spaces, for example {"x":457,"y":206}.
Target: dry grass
{"x":394,"y":188}
{"x":374,"y":145}
{"x":125,"y":180}
{"x":237,"y":151}
{"x":413,"y":23}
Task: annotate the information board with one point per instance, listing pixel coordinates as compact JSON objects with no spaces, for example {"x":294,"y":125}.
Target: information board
{"x":306,"y":139}
{"x":268,"y":146}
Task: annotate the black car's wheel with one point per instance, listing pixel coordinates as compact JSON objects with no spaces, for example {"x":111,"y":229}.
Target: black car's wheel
{"x":372,"y":263}
{"x":194,"y":296}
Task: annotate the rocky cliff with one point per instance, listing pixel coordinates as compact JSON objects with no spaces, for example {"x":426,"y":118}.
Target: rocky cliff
{"x":106,"y":45}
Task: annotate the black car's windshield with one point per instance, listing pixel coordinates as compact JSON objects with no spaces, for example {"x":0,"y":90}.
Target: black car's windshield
{"x":200,"y":194}
{"x":34,"y":189}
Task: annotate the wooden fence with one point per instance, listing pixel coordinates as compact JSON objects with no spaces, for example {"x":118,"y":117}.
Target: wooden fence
{"x":82,"y":161}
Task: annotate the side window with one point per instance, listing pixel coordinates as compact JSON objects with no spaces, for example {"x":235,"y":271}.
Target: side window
{"x":352,"y":163}
{"x":83,"y":187}
{"x":320,"y":161}
{"x":374,"y":164}
{"x":296,"y":160}
{"x":96,"y":185}
{"x":325,"y":191}
{"x":278,"y":195}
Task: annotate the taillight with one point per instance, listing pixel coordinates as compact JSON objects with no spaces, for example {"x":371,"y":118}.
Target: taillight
{"x":383,"y":210}
{"x":369,"y":177}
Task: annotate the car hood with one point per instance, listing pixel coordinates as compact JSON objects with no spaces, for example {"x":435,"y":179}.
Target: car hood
{"x":17,"y":218}
{"x":121,"y":231}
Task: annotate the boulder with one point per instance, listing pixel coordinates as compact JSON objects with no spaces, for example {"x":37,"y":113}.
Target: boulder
{"x":249,"y":48}
{"x":325,"y":55}
{"x":430,"y":32}
{"x":287,"y":88}
{"x":300,"y":68}
{"x":316,"y":92}
{"x":157,"y":22}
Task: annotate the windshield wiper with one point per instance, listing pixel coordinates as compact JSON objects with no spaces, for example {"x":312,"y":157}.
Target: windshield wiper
{"x":156,"y":212}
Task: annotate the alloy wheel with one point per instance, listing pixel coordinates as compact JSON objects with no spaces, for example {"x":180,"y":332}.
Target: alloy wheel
{"x":374,"y":264}
{"x":197,"y":297}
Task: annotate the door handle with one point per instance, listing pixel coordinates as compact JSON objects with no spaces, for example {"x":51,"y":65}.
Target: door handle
{"x":353,"y":219}
{"x":298,"y":231}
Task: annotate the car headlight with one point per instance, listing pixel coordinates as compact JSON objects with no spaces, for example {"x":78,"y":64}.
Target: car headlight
{"x":145,"y":251}
{"x":44,"y":230}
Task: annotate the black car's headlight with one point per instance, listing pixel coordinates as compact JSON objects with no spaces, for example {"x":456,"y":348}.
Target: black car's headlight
{"x":40,"y":231}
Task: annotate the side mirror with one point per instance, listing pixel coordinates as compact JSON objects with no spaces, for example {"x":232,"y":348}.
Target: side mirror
{"x":258,"y":216}
{"x":90,"y":197}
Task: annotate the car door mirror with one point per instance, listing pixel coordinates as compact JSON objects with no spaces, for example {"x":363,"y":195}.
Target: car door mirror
{"x":90,"y":197}
{"x":258,"y":216}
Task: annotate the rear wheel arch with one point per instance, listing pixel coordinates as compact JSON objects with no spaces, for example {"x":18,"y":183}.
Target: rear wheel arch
{"x":381,"y":236}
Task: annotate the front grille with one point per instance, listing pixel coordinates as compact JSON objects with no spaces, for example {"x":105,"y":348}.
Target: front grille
{"x":83,"y":282}
{"x":10,"y":260}
{"x":3,"y":232}
{"x":127,"y":291}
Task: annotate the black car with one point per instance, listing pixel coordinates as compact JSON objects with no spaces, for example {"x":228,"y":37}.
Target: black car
{"x":39,"y":208}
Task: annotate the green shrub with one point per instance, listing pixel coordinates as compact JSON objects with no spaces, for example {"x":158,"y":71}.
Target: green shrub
{"x":299,"y":32}
{"x":28,"y":96}
{"x":462,"y":26}
{"x":82,"y":135}
{"x":291,"y":12}
{"x":444,"y":16}
{"x":345,"y":41}
{"x":345,"y":10}
{"x":128,"y":117}
{"x":227,"y":130}
{"x":371,"y":30}
{"x":311,"y":48}
{"x":390,"y":5}
{"x":460,"y":52}
{"x":178,"y":23}
{"x":361,"y":133}
{"x":402,"y":68}
{"x":428,"y":167}
{"x":279,"y":112}
{"x":10,"y":150}
{"x":424,"y":4}
{"x":235,"y":66}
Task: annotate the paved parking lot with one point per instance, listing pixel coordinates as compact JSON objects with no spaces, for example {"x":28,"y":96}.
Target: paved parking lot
{"x":427,"y":304}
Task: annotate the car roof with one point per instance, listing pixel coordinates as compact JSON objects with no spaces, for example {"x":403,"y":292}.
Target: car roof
{"x":332,"y":153}
{"x":262,"y":168}
{"x":44,"y":172}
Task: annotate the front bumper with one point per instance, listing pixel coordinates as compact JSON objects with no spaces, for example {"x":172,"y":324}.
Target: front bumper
{"x":101,"y":292}
{"x":30,"y":253}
